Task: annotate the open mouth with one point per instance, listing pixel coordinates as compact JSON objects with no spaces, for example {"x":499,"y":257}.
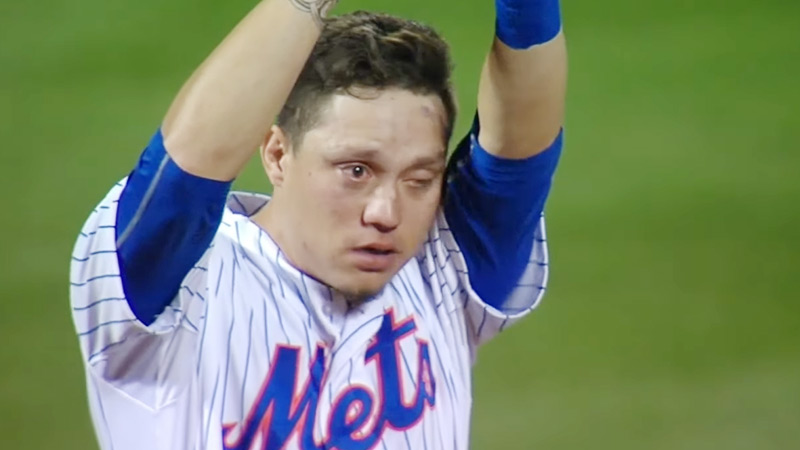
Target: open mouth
{"x":374,"y":258}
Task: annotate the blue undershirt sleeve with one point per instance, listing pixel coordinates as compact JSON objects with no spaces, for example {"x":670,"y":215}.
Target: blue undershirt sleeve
{"x":166,"y":219}
{"x":493,"y":206}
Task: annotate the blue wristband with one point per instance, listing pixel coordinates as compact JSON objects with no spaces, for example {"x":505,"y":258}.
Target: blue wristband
{"x":522,"y":24}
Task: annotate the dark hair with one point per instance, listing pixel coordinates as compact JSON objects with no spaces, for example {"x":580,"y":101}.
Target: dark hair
{"x":373,"y":51}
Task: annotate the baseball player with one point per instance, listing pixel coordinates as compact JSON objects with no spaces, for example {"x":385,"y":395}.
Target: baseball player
{"x":344,"y":311}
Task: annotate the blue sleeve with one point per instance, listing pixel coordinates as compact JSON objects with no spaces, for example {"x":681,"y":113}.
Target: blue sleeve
{"x":166,"y":219}
{"x":493,"y":206}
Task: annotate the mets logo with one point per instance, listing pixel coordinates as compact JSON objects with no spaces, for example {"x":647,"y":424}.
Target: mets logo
{"x":359,"y":414}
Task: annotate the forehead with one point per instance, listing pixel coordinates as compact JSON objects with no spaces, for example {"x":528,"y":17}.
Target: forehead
{"x":396,"y":123}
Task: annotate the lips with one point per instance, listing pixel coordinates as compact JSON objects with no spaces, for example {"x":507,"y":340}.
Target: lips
{"x":374,"y":257}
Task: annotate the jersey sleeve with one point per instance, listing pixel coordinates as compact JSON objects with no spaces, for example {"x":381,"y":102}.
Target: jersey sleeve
{"x":487,"y":251}
{"x":130,"y":309}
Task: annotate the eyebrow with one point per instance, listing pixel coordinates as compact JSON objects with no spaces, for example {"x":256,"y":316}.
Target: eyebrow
{"x":433,"y":161}
{"x":368,"y":154}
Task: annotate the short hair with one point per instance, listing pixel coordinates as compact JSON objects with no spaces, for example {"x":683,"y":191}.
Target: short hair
{"x":374,"y":51}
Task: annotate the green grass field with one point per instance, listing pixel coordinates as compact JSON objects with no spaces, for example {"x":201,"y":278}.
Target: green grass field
{"x":673,"y":319}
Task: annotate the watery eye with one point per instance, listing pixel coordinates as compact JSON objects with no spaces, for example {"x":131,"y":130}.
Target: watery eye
{"x":358,"y":171}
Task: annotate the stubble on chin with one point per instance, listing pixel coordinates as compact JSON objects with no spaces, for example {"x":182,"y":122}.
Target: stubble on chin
{"x":356,"y":298}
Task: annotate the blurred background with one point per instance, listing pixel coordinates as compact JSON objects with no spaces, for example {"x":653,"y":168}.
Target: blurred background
{"x":673,"y":319}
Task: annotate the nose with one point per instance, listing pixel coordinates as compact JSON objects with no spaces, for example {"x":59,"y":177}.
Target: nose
{"x":382,"y":210}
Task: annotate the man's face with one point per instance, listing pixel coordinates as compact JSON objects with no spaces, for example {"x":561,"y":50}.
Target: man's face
{"x":357,"y":198}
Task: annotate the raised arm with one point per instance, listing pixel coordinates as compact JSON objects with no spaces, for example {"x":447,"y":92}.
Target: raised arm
{"x":523,"y":82}
{"x":500,"y":176}
{"x":225,"y":109}
{"x":174,"y":200}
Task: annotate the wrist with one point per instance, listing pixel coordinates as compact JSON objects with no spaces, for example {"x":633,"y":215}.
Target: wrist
{"x":522,"y":24}
{"x":318,"y":9}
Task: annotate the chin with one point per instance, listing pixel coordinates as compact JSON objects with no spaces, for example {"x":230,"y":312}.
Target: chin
{"x":359,"y":295}
{"x":359,"y":291}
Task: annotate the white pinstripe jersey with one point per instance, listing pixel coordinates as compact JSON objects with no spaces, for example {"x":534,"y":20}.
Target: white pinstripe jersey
{"x":254,"y":354}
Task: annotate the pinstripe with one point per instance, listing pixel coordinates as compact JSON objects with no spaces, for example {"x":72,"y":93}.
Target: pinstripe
{"x":279,"y":269}
{"x":414,"y":384}
{"x":239,"y":241}
{"x":97,"y":302}
{"x":309,"y":348}
{"x":503,"y":325}
{"x":418,"y":309}
{"x":456,"y":330}
{"x":408,"y":441}
{"x":109,"y":346}
{"x":211,"y":410}
{"x":219,"y":277}
{"x":186,"y":288}
{"x":234,"y":252}
{"x":330,"y":299}
{"x":84,"y":234}
{"x":95,"y":253}
{"x":230,"y":341}
{"x":267,"y":346}
{"x":90,"y":280}
{"x":350,"y":374}
{"x":278,"y":313}
{"x":260,"y":236}
{"x":483,"y":321}
{"x":247,"y":361}
{"x":448,"y":382}
{"x":303,"y":298}
{"x":353,"y":333}
{"x":191,"y":325}
{"x":416,"y":301}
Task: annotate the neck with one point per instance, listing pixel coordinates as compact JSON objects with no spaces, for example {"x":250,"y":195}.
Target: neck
{"x":274,"y":223}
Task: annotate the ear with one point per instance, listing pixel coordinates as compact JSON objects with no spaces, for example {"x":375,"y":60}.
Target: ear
{"x":276,"y":155}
